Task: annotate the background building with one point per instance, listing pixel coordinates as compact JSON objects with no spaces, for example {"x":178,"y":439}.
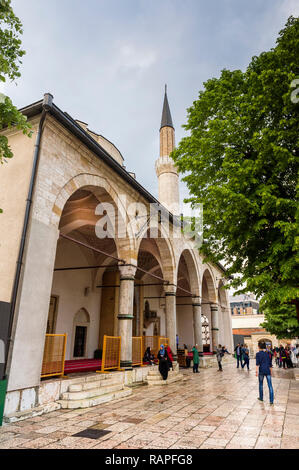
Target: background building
{"x":246,"y":323}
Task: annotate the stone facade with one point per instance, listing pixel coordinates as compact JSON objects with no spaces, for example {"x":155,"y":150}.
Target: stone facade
{"x":71,"y":182}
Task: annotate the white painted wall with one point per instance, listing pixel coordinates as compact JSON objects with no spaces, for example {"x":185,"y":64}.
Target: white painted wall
{"x":69,"y":287}
{"x":156,"y":305}
{"x":185,"y":325}
{"x":247,"y":321}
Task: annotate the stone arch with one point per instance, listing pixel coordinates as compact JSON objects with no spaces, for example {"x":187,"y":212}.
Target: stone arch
{"x":222,"y":295}
{"x":193,"y":271}
{"x":104,"y":192}
{"x":164,"y":254}
{"x":208,"y":279}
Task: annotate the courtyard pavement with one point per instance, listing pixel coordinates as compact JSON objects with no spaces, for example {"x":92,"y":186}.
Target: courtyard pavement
{"x":209,"y":410}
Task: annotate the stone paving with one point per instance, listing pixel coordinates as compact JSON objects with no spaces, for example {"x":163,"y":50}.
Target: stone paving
{"x":209,"y":410}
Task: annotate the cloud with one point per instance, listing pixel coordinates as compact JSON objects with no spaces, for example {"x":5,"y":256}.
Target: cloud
{"x":106,"y":62}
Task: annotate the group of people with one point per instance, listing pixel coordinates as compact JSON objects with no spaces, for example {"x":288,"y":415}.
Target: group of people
{"x":164,"y":357}
{"x":242,"y":355}
{"x":284,"y":357}
{"x":287,"y":357}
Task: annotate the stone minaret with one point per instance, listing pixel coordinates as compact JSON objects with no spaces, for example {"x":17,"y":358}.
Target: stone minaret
{"x":167,"y":174}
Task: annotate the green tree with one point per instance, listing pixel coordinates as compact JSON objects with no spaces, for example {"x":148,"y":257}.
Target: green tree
{"x":10,"y":60}
{"x":240,"y":160}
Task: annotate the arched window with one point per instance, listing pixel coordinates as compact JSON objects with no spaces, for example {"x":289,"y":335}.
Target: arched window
{"x":80,"y":335}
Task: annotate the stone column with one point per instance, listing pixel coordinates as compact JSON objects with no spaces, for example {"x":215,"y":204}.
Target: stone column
{"x":215,"y":326}
{"x":170,"y":307}
{"x":197,"y":323}
{"x":125,"y":314}
{"x":30,"y":324}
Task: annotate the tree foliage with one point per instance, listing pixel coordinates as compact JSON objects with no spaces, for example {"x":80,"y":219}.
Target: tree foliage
{"x":10,"y":60}
{"x":240,"y":160}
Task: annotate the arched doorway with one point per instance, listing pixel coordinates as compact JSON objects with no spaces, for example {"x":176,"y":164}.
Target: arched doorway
{"x":80,"y":334}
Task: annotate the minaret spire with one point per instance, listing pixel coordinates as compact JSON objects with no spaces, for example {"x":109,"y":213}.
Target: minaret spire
{"x":166,"y":120}
{"x":165,"y":169}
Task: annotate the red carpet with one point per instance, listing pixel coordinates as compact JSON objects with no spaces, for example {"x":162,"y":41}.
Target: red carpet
{"x":82,"y":365}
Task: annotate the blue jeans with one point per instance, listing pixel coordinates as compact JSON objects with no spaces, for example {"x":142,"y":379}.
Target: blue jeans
{"x":269,"y":381}
{"x":246,"y":362}
{"x":239,"y":359}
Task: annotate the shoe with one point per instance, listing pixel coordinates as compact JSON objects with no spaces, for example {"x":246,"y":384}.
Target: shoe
{"x":271,"y":403}
{"x":259,"y":399}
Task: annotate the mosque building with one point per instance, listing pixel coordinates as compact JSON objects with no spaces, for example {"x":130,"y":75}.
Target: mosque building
{"x":63,"y":189}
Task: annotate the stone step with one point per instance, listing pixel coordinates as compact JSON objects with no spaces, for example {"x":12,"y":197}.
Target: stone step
{"x":96,"y":382}
{"x":156,"y":372}
{"x":169,"y":380}
{"x":92,"y":392}
{"x":97,"y":400}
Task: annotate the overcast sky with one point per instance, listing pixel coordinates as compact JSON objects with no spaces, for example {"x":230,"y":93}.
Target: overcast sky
{"x":106,"y":61}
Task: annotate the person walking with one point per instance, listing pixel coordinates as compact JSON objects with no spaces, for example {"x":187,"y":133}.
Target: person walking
{"x":195,"y":359}
{"x":163,"y":362}
{"x":264,"y":369}
{"x":170,"y":357}
{"x":275,"y":353}
{"x":238,"y":351}
{"x":219,"y":355}
{"x":295,"y":355}
{"x":245,"y":353}
{"x":269,"y":352}
{"x":283,"y":357}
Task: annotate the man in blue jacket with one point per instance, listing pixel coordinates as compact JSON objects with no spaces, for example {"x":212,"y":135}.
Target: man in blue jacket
{"x":264,"y":369}
{"x":238,"y":351}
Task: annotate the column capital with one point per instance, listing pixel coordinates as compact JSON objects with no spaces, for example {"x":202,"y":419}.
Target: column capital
{"x":127,"y":272}
{"x":196,"y":301}
{"x":170,"y":289}
{"x":214,"y":306}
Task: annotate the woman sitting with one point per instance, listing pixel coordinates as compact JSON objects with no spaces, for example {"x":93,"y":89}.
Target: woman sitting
{"x":163,"y":362}
{"x":148,"y":356}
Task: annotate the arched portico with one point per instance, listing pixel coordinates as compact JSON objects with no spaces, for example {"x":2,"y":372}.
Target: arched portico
{"x":188,"y":301}
{"x":209,"y":310}
{"x":225,"y":325}
{"x":156,"y":276}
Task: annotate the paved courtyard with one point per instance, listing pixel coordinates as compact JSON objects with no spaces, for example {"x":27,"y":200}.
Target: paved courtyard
{"x":209,"y":410}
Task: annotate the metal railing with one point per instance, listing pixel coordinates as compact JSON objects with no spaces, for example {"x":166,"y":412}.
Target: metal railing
{"x":54,"y":355}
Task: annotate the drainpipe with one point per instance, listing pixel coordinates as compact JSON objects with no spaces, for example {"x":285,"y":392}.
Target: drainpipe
{"x":47,"y":105}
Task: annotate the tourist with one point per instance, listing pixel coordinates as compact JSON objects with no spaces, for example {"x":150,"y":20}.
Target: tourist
{"x":282,"y":357}
{"x":245,"y":354}
{"x":195,"y":358}
{"x":275,"y":354}
{"x":170,"y":357}
{"x":264,"y":369}
{"x":288,"y":358}
{"x":238,"y":352}
{"x":269,"y":352}
{"x":219,"y":355}
{"x":188,"y":359}
{"x":148,"y":356}
{"x":163,"y":362}
{"x":295,"y":355}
